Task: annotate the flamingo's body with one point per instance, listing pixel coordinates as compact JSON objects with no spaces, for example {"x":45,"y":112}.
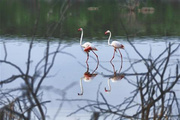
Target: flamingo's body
{"x":117,"y":45}
{"x":87,"y":46}
{"x":89,"y":76}
{"x":116,"y":77}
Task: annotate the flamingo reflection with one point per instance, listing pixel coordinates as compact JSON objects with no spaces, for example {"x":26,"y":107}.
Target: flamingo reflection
{"x":114,"y":78}
{"x":87,"y":77}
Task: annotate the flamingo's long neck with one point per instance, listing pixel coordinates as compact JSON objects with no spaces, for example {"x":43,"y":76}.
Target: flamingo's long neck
{"x":109,"y":38}
{"x":81,"y":86}
{"x":109,"y":85}
{"x":81,"y":37}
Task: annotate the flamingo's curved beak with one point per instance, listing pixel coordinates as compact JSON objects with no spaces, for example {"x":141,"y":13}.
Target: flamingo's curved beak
{"x":106,"y":33}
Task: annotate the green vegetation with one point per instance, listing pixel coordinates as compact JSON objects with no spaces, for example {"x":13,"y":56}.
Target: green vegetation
{"x":18,"y":18}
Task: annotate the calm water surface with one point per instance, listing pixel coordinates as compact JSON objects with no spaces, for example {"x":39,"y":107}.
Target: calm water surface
{"x":70,"y":69}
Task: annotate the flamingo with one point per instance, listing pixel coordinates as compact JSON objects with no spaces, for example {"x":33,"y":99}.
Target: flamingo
{"x":87,"y":78}
{"x":87,"y":46}
{"x":116,"y":45}
{"x":114,"y":78}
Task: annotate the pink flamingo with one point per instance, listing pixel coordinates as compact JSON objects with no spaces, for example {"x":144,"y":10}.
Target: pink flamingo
{"x":87,"y":46}
{"x":116,"y":45}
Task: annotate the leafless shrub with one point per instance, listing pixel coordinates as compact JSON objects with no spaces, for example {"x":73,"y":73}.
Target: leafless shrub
{"x":29,"y":104}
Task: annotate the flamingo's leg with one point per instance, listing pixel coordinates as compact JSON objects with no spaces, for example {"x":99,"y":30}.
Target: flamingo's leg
{"x":96,"y":56}
{"x":121,"y":61}
{"x":113,"y":55}
{"x":87,"y":57}
{"x":87,"y":66}
{"x":113,"y":67}
{"x":97,"y":61}
{"x":95,"y":68}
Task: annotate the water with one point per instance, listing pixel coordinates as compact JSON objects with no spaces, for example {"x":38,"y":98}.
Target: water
{"x":70,"y":70}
